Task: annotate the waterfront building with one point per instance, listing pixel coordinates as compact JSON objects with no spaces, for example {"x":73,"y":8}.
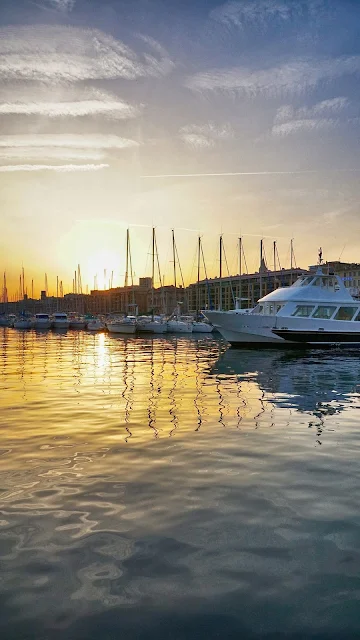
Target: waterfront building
{"x":243,"y":289}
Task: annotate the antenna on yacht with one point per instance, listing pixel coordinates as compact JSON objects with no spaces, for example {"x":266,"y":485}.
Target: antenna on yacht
{"x":320,"y":261}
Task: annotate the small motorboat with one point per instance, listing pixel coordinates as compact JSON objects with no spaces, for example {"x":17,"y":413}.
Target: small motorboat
{"x":42,"y":321}
{"x":60,"y":320}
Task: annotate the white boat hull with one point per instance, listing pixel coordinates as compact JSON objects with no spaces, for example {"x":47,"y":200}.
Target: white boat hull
{"x":121,"y":327}
{"x":202,"y":327}
{"x":178,"y":326}
{"x":23,"y":324}
{"x":244,"y":329}
{"x":42,"y":324}
{"x":77,"y":324}
{"x":60,"y":324}
{"x":95,"y":326}
{"x":152,"y":327}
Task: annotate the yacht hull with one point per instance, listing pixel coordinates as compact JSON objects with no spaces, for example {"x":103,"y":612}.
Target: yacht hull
{"x":241,"y":329}
{"x":40,"y":325}
{"x":202,"y":327}
{"x":23,"y":324}
{"x":121,"y":328}
{"x":177,"y":326}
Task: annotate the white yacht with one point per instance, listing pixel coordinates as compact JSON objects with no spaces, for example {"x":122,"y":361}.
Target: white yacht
{"x":60,"y":320}
{"x":122,"y":325}
{"x":42,"y":321}
{"x":316,"y":311}
{"x":77,"y":322}
{"x":149,"y":324}
{"x":94,"y":324}
{"x":176,"y":324}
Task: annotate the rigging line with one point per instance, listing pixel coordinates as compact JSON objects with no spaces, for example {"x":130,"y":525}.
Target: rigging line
{"x":230,"y":282}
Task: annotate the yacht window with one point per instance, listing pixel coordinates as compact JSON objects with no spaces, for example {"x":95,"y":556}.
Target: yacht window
{"x":316,"y":282}
{"x":345,"y":313}
{"x":306,"y":281}
{"x":357,"y":319}
{"x":304,"y":310}
{"x":261,"y":308}
{"x":279,"y":307}
{"x":324,"y":312}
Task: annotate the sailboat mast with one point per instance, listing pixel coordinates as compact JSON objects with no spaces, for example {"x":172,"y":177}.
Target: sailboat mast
{"x":261,"y":263}
{"x":57,"y":293}
{"x":220,"y":281}
{"x":274,"y":249}
{"x":153,"y":272}
{"x":198,"y":280}
{"x":174,"y":258}
{"x":127,"y":271}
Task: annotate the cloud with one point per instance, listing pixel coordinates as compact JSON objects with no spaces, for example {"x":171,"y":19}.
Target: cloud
{"x":320,"y":116}
{"x":65,"y":101}
{"x":205,"y":136}
{"x":240,"y":13}
{"x":54,"y":54}
{"x":291,"y":77}
{"x":114,"y":110}
{"x":77,"y":141}
{"x":49,"y":153}
{"x":63,"y":6}
{"x":309,"y":124}
{"x":334,"y":106}
{"x":66,"y":168}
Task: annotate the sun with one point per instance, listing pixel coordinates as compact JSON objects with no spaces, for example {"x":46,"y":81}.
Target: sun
{"x":103,"y":268}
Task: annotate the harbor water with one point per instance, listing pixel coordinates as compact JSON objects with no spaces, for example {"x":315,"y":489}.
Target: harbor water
{"x":172,"y":488}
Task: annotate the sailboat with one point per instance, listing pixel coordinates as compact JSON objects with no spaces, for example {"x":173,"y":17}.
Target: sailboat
{"x":125,"y":325}
{"x":200,"y":325}
{"x":175,"y":323}
{"x":152,"y":324}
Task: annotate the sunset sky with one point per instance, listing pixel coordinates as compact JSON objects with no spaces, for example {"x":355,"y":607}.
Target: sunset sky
{"x":117,"y":113}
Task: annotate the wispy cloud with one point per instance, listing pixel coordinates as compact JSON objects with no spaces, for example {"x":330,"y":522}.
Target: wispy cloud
{"x":63,"y":6}
{"x":239,"y":13}
{"x":50,"y":153}
{"x":77,"y":141}
{"x":205,"y":136}
{"x":67,"y":54}
{"x":308,"y":124}
{"x":288,"y":78}
{"x":63,"y":102}
{"x":66,"y":168}
{"x":320,"y":116}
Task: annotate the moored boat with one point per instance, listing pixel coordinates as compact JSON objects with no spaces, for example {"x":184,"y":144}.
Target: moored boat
{"x":316,"y":311}
{"x":122,"y":325}
{"x":60,"y":320}
{"x":95,"y":324}
{"x":42,"y":321}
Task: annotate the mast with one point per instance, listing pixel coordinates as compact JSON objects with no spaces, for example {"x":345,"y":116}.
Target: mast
{"x":32,"y":289}
{"x":153,"y":272}
{"x":261,"y":262}
{"x":240,"y":268}
{"x":198,"y":281}
{"x":220,"y":279}
{"x":127,"y":271}
{"x":57,"y":293}
{"x":174,"y":259}
{"x":274,"y":249}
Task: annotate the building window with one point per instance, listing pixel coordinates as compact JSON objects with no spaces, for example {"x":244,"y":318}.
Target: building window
{"x":345,"y":313}
{"x":303,"y":310}
{"x":324,"y":312}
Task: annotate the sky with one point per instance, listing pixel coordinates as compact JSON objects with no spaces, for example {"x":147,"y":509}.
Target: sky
{"x":238,"y":118}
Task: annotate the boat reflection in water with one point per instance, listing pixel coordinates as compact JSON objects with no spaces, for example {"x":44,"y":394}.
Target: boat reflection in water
{"x":319,"y":383}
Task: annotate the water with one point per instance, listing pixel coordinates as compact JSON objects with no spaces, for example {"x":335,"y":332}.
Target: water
{"x":171,"y":488}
